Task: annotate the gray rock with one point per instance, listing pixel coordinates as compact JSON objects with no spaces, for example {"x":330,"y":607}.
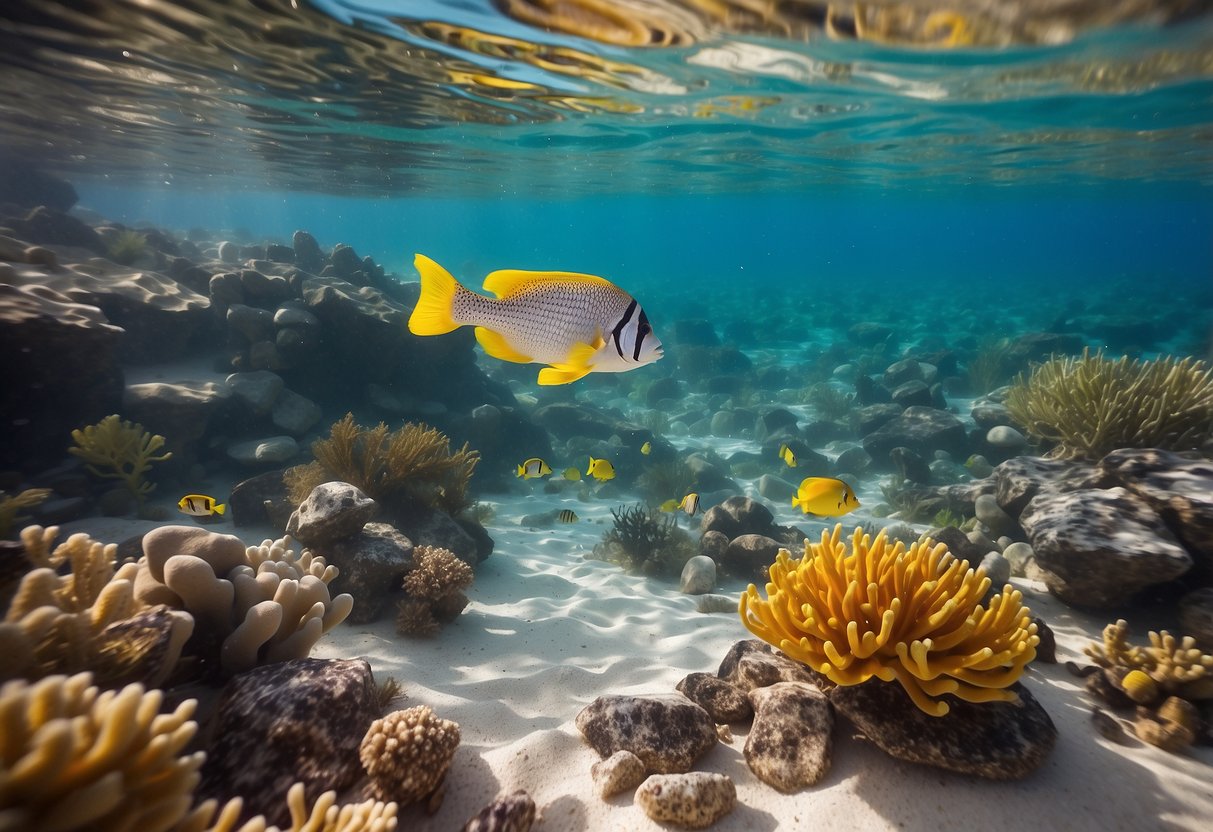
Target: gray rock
{"x":751,"y":664}
{"x":264,"y":355}
{"x":776,"y":489}
{"x":307,"y":251}
{"x":261,"y":499}
{"x":263,"y":287}
{"x":737,"y":516}
{"x":749,"y":554}
{"x":181,"y":411}
{"x":723,"y":702}
{"x":923,"y":430}
{"x":871,"y":418}
{"x":997,"y":569}
{"x":1019,"y":479}
{"x":252,"y":323}
{"x":293,"y":316}
{"x":618,"y":773}
{"x":1097,"y":548}
{"x":987,"y":510}
{"x":698,"y":575}
{"x":300,"y":720}
{"x":1006,"y":437}
{"x":707,"y":477}
{"x":912,"y":393}
{"x":668,"y":732}
{"x":430,"y":527}
{"x":856,"y":460}
{"x":1018,"y":554}
{"x":1196,"y":617}
{"x":270,"y":450}
{"x":294,"y":413}
{"x":513,"y":812}
{"x":900,"y":372}
{"x":257,"y":390}
{"x":334,"y":510}
{"x":229,"y":252}
{"x":373,"y":563}
{"x":724,"y":423}
{"x":995,"y":740}
{"x":694,"y":800}
{"x":791,"y":744}
{"x":988,"y":414}
{"x":713,"y":545}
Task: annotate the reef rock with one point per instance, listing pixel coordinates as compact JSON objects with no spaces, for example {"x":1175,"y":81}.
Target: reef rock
{"x":790,"y":745}
{"x":751,"y":664}
{"x":668,"y":732}
{"x":723,"y":702}
{"x":301,"y":720}
{"x":1098,"y":548}
{"x":373,"y":563}
{"x":332,"y":511}
{"x":923,"y":430}
{"x":507,"y":813}
{"x":694,"y":800}
{"x":180,"y":411}
{"x":995,"y":740}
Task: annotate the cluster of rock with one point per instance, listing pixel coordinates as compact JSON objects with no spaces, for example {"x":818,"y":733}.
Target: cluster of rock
{"x":651,"y":743}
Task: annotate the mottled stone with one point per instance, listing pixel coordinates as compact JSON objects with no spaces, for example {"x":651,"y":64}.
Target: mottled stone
{"x":753,"y":664}
{"x":995,"y":740}
{"x":749,"y":555}
{"x":300,"y":720}
{"x":923,"y":430}
{"x":698,"y":575}
{"x":668,"y":732}
{"x":1097,"y":548}
{"x":332,"y":511}
{"x":373,"y":563}
{"x":1019,"y":479}
{"x":723,"y":701}
{"x":791,"y":744}
{"x":694,"y":800}
{"x":737,"y":516}
{"x":618,"y":773}
{"x":713,"y":545}
{"x":507,"y":813}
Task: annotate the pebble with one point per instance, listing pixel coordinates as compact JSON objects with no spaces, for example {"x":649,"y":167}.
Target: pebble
{"x":1005,"y":436}
{"x":694,"y":800}
{"x":620,"y":772}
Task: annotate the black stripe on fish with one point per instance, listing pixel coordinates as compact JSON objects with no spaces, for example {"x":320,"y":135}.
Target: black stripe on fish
{"x":617,"y":332}
{"x":642,"y":329}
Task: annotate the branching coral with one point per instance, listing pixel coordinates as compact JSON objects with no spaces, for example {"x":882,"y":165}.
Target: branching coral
{"x":412,"y":463}
{"x":1093,"y":405}
{"x":435,"y":585}
{"x":75,"y":757}
{"x":911,"y":616}
{"x":11,"y":504}
{"x":324,"y":816}
{"x":122,"y":446}
{"x":406,"y":753}
{"x":1176,"y":666}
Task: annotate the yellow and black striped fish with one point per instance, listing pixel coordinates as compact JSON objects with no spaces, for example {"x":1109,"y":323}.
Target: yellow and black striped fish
{"x":567,"y":516}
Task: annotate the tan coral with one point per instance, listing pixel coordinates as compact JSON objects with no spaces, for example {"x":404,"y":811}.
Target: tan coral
{"x":1178,"y":666}
{"x":407,"y":753}
{"x":415,"y":619}
{"x":436,"y":572}
{"x":79,"y":758}
{"x":323,"y":816}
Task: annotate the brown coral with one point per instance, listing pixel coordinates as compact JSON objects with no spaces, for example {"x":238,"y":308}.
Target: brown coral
{"x":407,"y":753}
{"x":415,"y":619}
{"x":436,"y":572}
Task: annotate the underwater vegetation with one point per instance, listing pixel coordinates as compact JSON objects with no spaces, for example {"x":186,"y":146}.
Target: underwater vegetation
{"x":646,"y":540}
{"x":122,"y":446}
{"x":412,"y":463}
{"x":990,"y":367}
{"x":913,"y":616}
{"x":1091,"y":405}
{"x":11,"y":505}
{"x":830,"y":403}
{"x":126,"y":247}
{"x":662,"y":480}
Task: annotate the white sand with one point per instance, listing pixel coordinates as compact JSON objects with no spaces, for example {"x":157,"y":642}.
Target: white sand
{"x":548,"y":631}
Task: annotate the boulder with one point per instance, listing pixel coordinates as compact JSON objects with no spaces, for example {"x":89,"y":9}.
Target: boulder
{"x":668,"y":732}
{"x":724,"y":702}
{"x":790,"y":744}
{"x":924,"y":430}
{"x":334,"y":510}
{"x":373,"y":563}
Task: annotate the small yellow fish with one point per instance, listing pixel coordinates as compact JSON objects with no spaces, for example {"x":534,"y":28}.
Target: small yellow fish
{"x":572,"y":474}
{"x":567,"y":516}
{"x":575,"y":323}
{"x":785,"y":453}
{"x":670,"y":505}
{"x":199,"y":505}
{"x":646,"y":448}
{"x":690,"y":504}
{"x":533,"y":467}
{"x":601,"y":470}
{"x":825,"y":496}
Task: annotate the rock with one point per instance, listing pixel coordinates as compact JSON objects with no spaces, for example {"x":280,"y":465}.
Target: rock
{"x":261,"y":499}
{"x":910,"y":466}
{"x":256,"y":390}
{"x":263,"y":288}
{"x":1018,"y":555}
{"x":668,"y":732}
{"x":334,"y":510}
{"x":1099,"y":548}
{"x":997,"y":569}
{"x":307,"y":251}
{"x":923,"y":430}
{"x":871,"y":418}
{"x":345,"y":260}
{"x":870,"y":333}
{"x":366,"y":333}
{"x":698,"y":575}
{"x":299,"y":720}
{"x":695,"y":800}
{"x":989,"y":414}
{"x":373,"y":563}
{"x":1019,"y":479}
{"x":856,"y":460}
{"x":1006,"y":437}
{"x":618,"y":773}
{"x":790,"y":745}
{"x":776,"y":489}
{"x":1196,"y":617}
{"x":868,"y":392}
{"x":272,"y":449}
{"x":737,"y":516}
{"x":994,"y":740}
{"x":958,"y":544}
{"x":229,"y":252}
{"x":706,"y":476}
{"x":987,"y":510}
{"x":293,"y":413}
{"x":430,"y":527}
{"x":912,"y":393}
{"x":666,"y":387}
{"x":293,"y":316}
{"x":751,"y":664}
{"x":513,"y":812}
{"x":723,"y":702}
{"x":25,"y":185}
{"x":775,"y":421}
{"x":724,"y":423}
{"x":749,"y":555}
{"x":901,"y":372}
{"x":263,"y":355}
{"x":713,"y":545}
{"x":278,"y":253}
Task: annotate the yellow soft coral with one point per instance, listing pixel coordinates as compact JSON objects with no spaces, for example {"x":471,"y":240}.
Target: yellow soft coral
{"x":914,"y":617}
{"x":123,"y":446}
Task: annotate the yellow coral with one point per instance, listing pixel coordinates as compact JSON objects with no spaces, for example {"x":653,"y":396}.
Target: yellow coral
{"x":123,"y":446}
{"x":914,"y":617}
{"x":323,"y":816}
{"x":1177,"y":665}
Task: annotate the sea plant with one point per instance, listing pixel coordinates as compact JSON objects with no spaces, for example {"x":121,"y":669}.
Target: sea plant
{"x":912,"y":616}
{"x":670,"y":479}
{"x":412,"y":463}
{"x":117,"y":449}
{"x":829,"y":402}
{"x":11,"y":504}
{"x":1091,"y":405}
{"x":646,"y":540}
{"x":990,"y":367}
{"x":126,"y":246}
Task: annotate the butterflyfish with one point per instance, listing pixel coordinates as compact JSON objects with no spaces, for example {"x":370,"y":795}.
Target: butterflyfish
{"x":572,"y":474}
{"x":199,"y":505}
{"x":690,"y":504}
{"x":533,"y":467}
{"x":601,"y":470}
{"x":825,"y":496}
{"x":785,"y":453}
{"x":575,"y":323}
{"x":646,"y":448}
{"x":567,"y":516}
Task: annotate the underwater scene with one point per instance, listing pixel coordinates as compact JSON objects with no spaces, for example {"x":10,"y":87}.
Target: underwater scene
{"x":575,"y":415}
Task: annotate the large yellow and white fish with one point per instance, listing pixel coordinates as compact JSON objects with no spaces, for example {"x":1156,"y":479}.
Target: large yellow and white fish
{"x":574,"y":323}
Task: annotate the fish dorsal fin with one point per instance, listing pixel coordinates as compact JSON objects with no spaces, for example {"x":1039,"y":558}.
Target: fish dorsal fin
{"x":506,"y":282}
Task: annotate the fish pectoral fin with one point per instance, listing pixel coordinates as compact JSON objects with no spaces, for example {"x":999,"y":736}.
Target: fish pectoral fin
{"x":494,"y":344}
{"x":562,"y":374}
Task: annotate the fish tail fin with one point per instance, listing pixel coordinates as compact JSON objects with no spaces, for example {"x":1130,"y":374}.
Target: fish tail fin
{"x":220,"y":508}
{"x":799,"y":503}
{"x":432,"y":314}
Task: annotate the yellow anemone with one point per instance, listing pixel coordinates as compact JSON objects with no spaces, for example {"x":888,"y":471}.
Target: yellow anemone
{"x":911,"y":616}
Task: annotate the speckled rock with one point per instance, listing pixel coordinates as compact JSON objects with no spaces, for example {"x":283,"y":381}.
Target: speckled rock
{"x":698,"y":575}
{"x":507,"y":813}
{"x":737,"y":516}
{"x":694,"y":800}
{"x":1097,"y":548}
{"x":332,"y":511}
{"x":994,"y":740}
{"x":923,"y":430}
{"x":618,"y":773}
{"x":668,"y":732}
{"x":749,"y":555}
{"x":1018,"y":480}
{"x":297,"y":720}
{"x":791,"y":744}
{"x":723,"y":701}
{"x":373,"y":563}
{"x":753,"y":664}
